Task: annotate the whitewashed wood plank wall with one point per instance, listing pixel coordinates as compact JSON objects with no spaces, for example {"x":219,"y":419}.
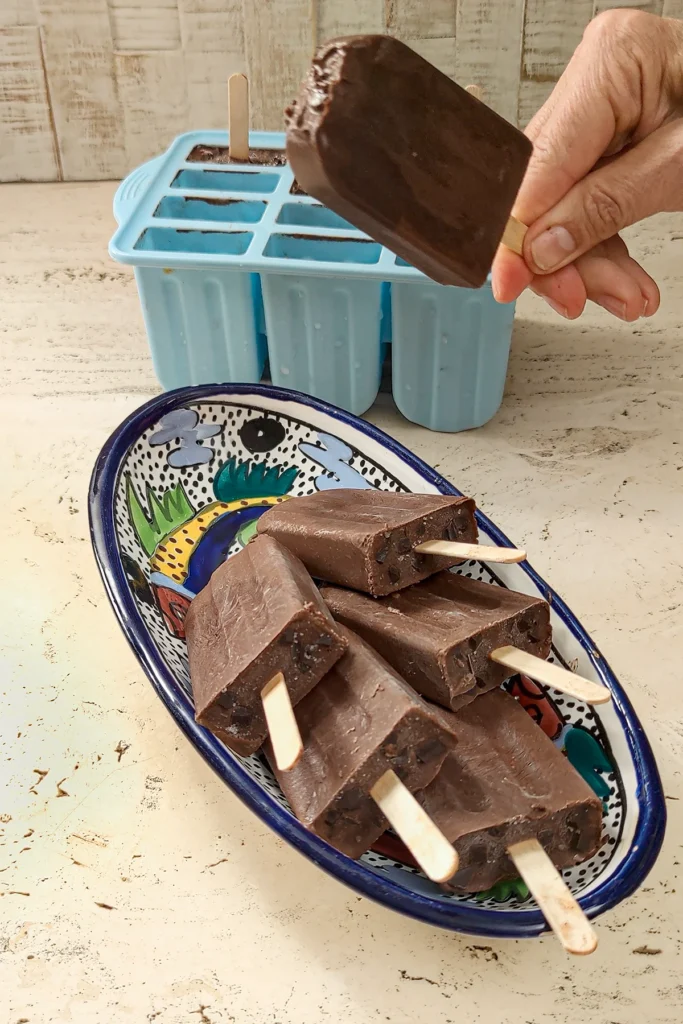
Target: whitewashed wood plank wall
{"x":91,"y":88}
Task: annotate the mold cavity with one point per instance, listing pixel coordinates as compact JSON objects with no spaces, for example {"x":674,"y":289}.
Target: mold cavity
{"x":241,"y":211}
{"x":215,"y":243}
{"x":322,"y":250}
{"x":403,"y":263}
{"x":304,"y":215}
{"x":221,"y":155}
{"x":226,"y":181}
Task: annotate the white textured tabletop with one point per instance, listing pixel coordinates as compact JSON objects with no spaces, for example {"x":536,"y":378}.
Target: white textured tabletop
{"x":134,"y":887}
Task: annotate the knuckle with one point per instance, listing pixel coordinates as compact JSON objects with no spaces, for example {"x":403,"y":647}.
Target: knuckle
{"x":605,"y":212}
{"x":616,"y":24}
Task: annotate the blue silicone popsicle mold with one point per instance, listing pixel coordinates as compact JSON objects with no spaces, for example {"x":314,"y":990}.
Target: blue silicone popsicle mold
{"x":233,"y":267}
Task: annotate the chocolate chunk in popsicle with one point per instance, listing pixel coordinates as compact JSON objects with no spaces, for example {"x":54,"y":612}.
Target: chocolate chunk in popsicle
{"x":439,"y":633}
{"x":366,"y":538}
{"x":505,"y":782}
{"x":391,"y":144}
{"x":360,"y":721}
{"x":259,"y":615}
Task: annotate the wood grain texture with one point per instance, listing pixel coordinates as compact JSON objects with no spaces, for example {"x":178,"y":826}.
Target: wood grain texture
{"x":488,"y":46}
{"x":279,"y":39}
{"x":349,"y":17}
{"x":653,"y":7}
{"x":207,"y":87}
{"x":439,"y":52}
{"x":429,"y":29}
{"x":414,"y":19}
{"x":149,"y":129}
{"x":67,"y":93}
{"x":212,"y":26}
{"x":212,"y":35}
{"x":17,"y":12}
{"x":552,"y":31}
{"x":144,"y":24}
{"x":27,"y":143}
{"x":79,"y":61}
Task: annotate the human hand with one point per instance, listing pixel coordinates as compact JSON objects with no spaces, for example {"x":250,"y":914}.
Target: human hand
{"x":608,"y":152}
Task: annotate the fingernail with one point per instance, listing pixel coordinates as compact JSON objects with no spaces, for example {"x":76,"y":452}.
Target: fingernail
{"x":562,"y":310}
{"x":552,"y":247}
{"x":612,"y":305}
{"x":646,"y":306}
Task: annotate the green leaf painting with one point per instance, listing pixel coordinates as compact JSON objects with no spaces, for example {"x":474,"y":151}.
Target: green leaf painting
{"x":587,"y":756}
{"x":502,"y":891}
{"x":167,"y":511}
{"x":236,"y":480}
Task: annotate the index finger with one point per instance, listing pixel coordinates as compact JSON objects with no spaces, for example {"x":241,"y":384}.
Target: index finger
{"x":573,"y":129}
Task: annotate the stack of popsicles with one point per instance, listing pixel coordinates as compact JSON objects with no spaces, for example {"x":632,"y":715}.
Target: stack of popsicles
{"x":380,"y":692}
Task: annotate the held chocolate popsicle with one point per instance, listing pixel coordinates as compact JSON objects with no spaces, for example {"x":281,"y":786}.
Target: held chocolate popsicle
{"x":394,"y":146}
{"x":260,"y":615}
{"x":453,"y":638}
{"x":503,"y":783}
{"x":372,"y":540}
{"x":362,"y":727}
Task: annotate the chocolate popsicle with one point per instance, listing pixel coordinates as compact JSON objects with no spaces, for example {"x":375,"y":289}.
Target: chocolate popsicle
{"x":259,"y":615}
{"x":360,"y":721}
{"x":391,"y":144}
{"x":506,"y":782}
{"x":439,"y":633}
{"x":365,"y":538}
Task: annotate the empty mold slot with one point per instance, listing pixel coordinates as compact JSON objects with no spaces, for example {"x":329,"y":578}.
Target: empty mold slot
{"x":226,"y":181}
{"x":403,"y":263}
{"x":311,"y":215}
{"x":247,"y":211}
{"x":385,"y":321}
{"x":214,"y":243}
{"x":322,"y":250}
{"x":221,"y":155}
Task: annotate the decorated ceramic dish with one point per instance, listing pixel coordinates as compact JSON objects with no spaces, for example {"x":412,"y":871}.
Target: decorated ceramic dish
{"x":178,"y":488}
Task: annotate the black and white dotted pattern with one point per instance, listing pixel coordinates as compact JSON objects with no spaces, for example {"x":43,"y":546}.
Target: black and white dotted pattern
{"x":147,"y":463}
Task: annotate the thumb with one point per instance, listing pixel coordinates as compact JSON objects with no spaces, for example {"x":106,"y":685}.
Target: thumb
{"x":643,"y":180}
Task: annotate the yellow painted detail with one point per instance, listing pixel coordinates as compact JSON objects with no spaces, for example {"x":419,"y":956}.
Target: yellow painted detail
{"x":172,"y":555}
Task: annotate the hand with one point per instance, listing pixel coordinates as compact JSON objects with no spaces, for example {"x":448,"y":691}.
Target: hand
{"x":608,"y":152}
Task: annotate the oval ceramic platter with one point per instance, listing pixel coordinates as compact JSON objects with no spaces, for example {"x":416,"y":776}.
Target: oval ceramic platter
{"x":179,"y":487}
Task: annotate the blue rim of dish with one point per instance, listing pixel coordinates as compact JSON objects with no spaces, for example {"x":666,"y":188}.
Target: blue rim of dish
{"x":651,"y":824}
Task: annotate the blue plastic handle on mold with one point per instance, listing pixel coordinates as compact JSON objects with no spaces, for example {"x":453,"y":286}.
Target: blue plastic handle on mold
{"x":235,"y":265}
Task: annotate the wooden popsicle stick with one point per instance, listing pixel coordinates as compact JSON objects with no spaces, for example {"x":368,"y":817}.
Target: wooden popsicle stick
{"x":426,"y":842}
{"x":513,"y":236}
{"x":482,"y":552}
{"x":475,"y":90}
{"x":238,"y":117}
{"x":282,"y":728}
{"x":560,"y":909}
{"x":552,"y":675}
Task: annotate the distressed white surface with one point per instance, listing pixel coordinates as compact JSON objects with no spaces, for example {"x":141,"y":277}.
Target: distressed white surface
{"x":279,"y":37}
{"x":144,"y":24}
{"x":106,"y":80}
{"x":214,"y":918}
{"x":552,"y":31}
{"x":79,"y":66}
{"x":489,"y":39}
{"x":27,"y":142}
{"x":149,"y":131}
